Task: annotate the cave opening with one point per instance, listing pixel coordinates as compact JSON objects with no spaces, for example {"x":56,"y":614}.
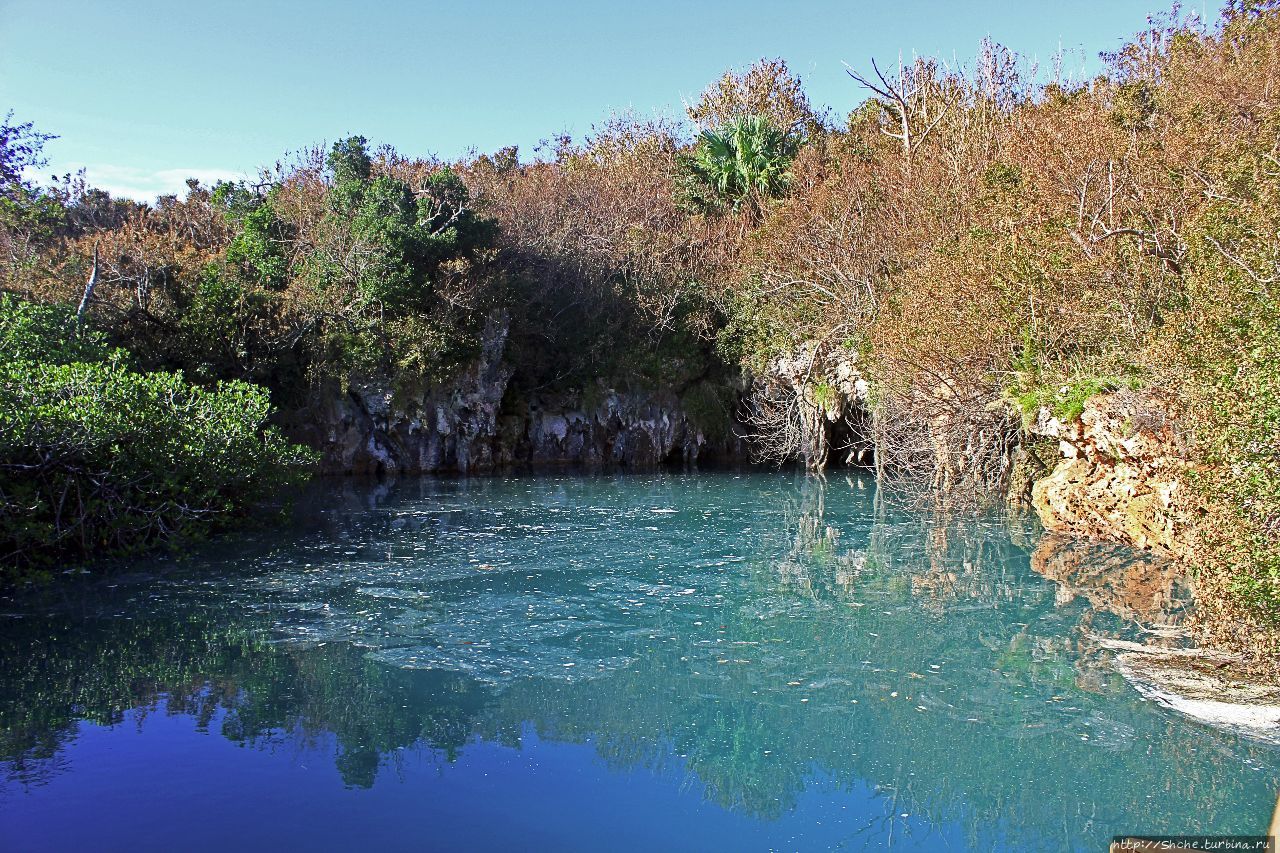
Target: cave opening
{"x":851,"y":442}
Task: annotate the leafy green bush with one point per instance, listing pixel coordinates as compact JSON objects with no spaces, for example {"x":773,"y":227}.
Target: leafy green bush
{"x":33,"y":332}
{"x":1066,"y":401}
{"x":403,"y":238}
{"x":738,"y":165}
{"x":259,"y":247}
{"x":98,"y":459}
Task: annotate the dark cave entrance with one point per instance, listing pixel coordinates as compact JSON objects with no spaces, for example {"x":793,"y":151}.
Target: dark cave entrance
{"x":851,"y":441}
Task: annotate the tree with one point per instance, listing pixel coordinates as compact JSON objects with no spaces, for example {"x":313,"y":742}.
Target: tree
{"x":20,"y":149}
{"x":350,"y":160}
{"x":915,"y":101}
{"x":29,"y":216}
{"x":259,"y":248}
{"x":97,"y":458}
{"x":766,"y":89}
{"x":739,"y":166}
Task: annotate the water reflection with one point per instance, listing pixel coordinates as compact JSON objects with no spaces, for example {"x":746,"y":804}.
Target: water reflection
{"x":1144,"y":589}
{"x":750,"y":633}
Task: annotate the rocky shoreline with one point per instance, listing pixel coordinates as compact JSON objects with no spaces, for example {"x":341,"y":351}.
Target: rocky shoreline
{"x":1123,"y":478}
{"x":1120,"y":478}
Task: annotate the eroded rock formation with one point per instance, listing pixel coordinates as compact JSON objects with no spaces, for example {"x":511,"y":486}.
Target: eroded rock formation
{"x":470,"y":426}
{"x":811,"y":406}
{"x":1122,"y":475}
{"x":634,"y":430}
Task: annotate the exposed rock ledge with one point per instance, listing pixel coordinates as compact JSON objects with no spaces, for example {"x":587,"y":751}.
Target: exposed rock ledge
{"x":1122,"y":474}
{"x":1203,"y":686}
{"x":371,"y":427}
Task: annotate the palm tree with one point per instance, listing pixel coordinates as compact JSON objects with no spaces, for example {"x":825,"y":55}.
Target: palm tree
{"x":739,"y":165}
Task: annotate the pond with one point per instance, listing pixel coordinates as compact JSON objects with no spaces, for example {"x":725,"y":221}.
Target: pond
{"x":711,"y":661}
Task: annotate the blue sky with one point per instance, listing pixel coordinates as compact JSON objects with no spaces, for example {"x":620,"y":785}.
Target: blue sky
{"x":145,"y":93}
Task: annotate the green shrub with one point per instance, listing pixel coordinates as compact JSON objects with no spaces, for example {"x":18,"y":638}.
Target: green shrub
{"x":258,"y":247}
{"x":97,"y":459}
{"x":33,"y":332}
{"x":1066,"y":400}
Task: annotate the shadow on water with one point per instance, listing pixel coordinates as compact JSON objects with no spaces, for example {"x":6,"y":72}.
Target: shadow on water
{"x":761,"y":635}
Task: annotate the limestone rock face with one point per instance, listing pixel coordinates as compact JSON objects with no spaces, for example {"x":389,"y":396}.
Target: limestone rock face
{"x":811,"y":402}
{"x":461,"y":427}
{"x":634,"y":430}
{"x":372,"y":427}
{"x":1122,"y":475}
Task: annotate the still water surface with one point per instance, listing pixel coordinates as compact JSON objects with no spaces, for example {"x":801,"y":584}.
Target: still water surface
{"x":719,"y":661}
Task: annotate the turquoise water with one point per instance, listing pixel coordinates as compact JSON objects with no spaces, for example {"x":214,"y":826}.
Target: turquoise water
{"x":717,"y":661}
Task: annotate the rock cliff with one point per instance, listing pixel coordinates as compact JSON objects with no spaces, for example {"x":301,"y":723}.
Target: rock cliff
{"x":633,"y":430}
{"x":811,"y":406}
{"x":469,"y":425}
{"x":1122,"y":475}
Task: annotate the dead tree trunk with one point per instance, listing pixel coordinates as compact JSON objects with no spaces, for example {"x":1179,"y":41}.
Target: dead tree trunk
{"x":89,"y":287}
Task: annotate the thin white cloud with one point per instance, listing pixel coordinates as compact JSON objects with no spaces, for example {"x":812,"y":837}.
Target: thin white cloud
{"x":146,"y":185}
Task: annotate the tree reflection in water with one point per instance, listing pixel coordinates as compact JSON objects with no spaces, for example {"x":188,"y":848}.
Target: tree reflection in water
{"x":757,"y":634}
